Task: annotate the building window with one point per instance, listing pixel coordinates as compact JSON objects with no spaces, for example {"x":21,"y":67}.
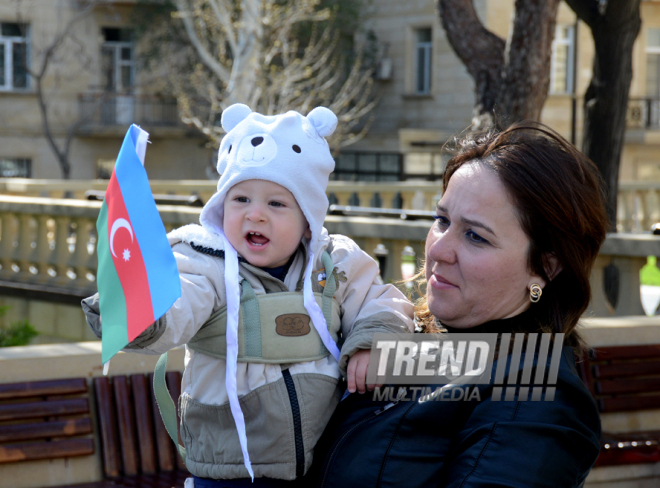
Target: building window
{"x":118,"y":59}
{"x":563,"y":51}
{"x":13,"y":56}
{"x":424,"y":166}
{"x":653,"y":63}
{"x":15,"y":167}
{"x":368,"y":166}
{"x":423,"y":43}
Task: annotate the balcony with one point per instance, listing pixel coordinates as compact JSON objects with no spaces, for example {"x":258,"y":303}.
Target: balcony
{"x":110,"y":111}
{"x":643,"y":113}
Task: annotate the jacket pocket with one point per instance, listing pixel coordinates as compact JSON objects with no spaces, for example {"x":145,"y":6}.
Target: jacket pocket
{"x":211,"y":440}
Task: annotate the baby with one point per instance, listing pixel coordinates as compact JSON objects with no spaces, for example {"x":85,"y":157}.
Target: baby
{"x":267,"y":298}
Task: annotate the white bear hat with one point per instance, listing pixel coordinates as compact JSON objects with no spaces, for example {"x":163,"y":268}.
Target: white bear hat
{"x":287,"y":149}
{"x":290,"y":150}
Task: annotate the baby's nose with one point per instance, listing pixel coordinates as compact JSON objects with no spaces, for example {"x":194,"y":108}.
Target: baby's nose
{"x":256,"y":141}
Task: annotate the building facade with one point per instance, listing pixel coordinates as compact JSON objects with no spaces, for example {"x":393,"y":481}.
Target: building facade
{"x":426,"y":94}
{"x":94,"y":87}
{"x":93,"y":90}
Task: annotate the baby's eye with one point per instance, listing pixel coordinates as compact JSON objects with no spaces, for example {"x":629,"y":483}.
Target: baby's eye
{"x":242,"y":199}
{"x":476,"y":238}
{"x":276,"y":204}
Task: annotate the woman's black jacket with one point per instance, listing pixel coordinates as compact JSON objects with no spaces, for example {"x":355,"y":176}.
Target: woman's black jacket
{"x":466,"y":444}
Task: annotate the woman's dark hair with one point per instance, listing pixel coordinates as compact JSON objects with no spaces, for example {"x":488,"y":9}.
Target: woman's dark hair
{"x":558,"y":194}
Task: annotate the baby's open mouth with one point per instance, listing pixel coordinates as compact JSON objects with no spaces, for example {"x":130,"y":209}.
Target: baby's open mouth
{"x":256,"y":239}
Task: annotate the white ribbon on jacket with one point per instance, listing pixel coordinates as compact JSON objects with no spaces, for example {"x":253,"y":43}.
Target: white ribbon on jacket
{"x":233,"y":292}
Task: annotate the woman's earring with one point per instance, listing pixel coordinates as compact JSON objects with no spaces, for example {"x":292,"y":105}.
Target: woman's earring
{"x":535,"y":293}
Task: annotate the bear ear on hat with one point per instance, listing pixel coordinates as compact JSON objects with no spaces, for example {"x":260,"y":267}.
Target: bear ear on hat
{"x":323,"y":120}
{"x":234,"y":115}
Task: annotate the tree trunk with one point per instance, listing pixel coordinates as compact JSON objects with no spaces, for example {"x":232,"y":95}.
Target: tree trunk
{"x":481,"y":51}
{"x":614,"y":30}
{"x":61,"y":156}
{"x":526,"y":76}
{"x":512,"y":78}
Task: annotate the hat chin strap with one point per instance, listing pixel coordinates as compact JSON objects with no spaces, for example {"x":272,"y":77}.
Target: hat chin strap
{"x":233,"y":293}
{"x":315,"y":311}
{"x":233,"y":306}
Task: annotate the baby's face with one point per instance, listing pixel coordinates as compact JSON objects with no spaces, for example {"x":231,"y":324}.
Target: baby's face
{"x":264,"y":223}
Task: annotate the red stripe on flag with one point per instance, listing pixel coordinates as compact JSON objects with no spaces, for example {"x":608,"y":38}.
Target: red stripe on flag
{"x":128,"y":261}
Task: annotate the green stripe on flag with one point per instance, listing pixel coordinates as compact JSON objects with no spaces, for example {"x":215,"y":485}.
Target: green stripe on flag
{"x":111,"y":295}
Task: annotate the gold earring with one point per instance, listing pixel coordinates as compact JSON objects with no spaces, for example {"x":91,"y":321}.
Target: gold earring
{"x":535,"y":293}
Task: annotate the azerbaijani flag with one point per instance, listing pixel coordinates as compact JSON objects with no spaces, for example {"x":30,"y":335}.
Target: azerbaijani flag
{"x":137,"y":277}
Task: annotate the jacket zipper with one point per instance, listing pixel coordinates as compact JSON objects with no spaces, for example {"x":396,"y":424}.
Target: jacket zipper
{"x":297,"y":423}
{"x":346,"y":434}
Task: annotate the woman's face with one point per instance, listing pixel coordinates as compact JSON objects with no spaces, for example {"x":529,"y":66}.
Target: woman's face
{"x":476,"y":252}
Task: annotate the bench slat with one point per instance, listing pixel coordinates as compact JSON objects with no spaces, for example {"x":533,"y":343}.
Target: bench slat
{"x":145,"y":423}
{"x":107,"y":427}
{"x":50,"y":408}
{"x":627,"y":352}
{"x":126,"y":424}
{"x":638,"y":455}
{"x":165,"y":445}
{"x":619,"y":370}
{"x":43,"y":430}
{"x":46,"y":450}
{"x":43,"y":388}
{"x":628,"y":403}
{"x":615,"y":387}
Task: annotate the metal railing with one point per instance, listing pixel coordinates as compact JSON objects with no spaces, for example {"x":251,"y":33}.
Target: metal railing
{"x":116,"y":109}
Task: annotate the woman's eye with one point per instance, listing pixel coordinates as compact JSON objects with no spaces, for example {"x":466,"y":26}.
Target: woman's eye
{"x":476,"y":238}
{"x":442,"y":221}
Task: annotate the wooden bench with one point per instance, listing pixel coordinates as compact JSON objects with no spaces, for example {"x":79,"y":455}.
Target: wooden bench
{"x":45,"y":420}
{"x":625,"y":379}
{"x":53,"y":419}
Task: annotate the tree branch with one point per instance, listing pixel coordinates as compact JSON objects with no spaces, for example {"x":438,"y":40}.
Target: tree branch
{"x":586,"y":10}
{"x":205,"y":56}
{"x":526,"y":77}
{"x":481,"y":51}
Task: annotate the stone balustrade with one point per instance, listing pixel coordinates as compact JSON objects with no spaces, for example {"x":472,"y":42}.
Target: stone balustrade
{"x":403,"y":194}
{"x":51,"y":243}
{"x":638,"y":209}
{"x":638,"y":205}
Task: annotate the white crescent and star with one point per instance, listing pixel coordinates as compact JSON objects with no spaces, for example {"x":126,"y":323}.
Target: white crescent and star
{"x":116,"y":225}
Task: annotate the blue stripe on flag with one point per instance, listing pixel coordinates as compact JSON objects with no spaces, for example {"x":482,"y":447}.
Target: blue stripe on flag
{"x":159,"y":261}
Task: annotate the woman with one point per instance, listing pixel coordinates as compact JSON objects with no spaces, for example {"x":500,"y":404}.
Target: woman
{"x":517,"y":230}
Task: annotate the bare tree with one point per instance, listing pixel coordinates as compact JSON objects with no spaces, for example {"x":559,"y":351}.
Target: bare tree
{"x":60,"y":150}
{"x":63,"y":45}
{"x":614,"y":25}
{"x":511,"y":77}
{"x":273,"y":55}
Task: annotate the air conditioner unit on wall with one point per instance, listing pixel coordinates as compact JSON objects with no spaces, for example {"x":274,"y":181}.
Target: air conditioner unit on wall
{"x":384,"y":69}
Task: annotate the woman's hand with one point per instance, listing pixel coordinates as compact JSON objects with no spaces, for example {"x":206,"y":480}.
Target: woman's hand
{"x":356,"y":372}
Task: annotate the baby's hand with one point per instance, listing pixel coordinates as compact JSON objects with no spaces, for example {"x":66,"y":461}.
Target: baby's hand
{"x":356,"y":373}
